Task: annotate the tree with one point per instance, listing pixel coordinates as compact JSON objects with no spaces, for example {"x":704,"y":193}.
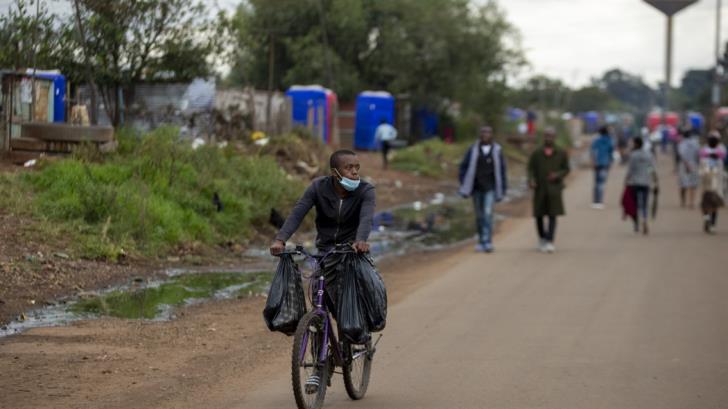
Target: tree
{"x":131,"y":41}
{"x":695,"y":91}
{"x":18,"y":30}
{"x":592,"y":98}
{"x":542,"y":92}
{"x":434,"y":50}
{"x":629,"y":89}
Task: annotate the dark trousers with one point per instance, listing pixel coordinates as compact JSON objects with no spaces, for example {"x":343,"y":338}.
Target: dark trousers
{"x":642,"y":196}
{"x":545,"y":233}
{"x":332,"y":267}
{"x":386,"y":147}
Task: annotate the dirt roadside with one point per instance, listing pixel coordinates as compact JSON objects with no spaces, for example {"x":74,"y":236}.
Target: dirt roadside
{"x":211,"y":356}
{"x":37,"y":269}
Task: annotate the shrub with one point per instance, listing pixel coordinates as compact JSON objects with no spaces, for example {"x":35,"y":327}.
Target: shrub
{"x":156,"y":193}
{"x":432,"y":158}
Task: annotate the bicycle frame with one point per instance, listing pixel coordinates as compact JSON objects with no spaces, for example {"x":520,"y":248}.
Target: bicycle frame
{"x":321,"y":309}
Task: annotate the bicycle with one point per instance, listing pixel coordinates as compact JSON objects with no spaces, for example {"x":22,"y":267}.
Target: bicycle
{"x":316,"y":350}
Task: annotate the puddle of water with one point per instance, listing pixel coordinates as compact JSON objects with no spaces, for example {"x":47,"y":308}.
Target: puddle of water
{"x":150,"y":302}
{"x":440,"y":223}
{"x":155,"y":300}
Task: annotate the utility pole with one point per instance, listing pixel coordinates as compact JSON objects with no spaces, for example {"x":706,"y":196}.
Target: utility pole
{"x":668,"y":68}
{"x":717,"y":73}
{"x":35,"y":60}
{"x":330,"y":80}
{"x":271,"y":72}
{"x":87,"y":63}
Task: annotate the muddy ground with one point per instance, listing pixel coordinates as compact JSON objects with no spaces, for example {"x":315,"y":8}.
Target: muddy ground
{"x":211,"y":356}
{"x":35,"y":270}
{"x":219,"y":349}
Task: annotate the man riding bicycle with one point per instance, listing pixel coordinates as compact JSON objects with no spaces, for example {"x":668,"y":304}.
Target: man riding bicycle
{"x":344,"y":211}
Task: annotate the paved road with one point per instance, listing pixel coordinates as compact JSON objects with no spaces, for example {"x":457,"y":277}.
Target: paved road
{"x":613,"y":320}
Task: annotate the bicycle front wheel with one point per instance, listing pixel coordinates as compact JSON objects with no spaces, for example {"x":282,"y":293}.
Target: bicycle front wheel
{"x":357,"y":369}
{"x":309,"y":375}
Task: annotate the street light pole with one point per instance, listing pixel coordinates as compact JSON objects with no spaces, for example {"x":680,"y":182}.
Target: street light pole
{"x":717,"y":72}
{"x":668,"y":68}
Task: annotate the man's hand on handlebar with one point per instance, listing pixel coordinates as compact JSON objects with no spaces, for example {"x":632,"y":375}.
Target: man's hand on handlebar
{"x":361,"y":247}
{"x":277,"y":247}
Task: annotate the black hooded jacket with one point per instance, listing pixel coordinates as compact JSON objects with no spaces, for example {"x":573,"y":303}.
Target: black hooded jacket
{"x":338,"y":220}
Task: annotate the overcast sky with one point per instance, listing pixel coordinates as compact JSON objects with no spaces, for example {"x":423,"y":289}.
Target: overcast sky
{"x":579,"y":39}
{"x":576,"y":40}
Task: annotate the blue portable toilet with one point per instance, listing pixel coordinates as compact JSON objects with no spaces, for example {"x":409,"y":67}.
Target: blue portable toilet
{"x":696,"y":121}
{"x":318,"y":101}
{"x":58,"y":102}
{"x":371,"y":108}
{"x":426,"y":124}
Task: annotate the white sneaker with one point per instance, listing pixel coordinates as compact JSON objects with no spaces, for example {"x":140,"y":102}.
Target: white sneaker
{"x":550,"y":248}
{"x":542,"y":245}
{"x":598,"y":206}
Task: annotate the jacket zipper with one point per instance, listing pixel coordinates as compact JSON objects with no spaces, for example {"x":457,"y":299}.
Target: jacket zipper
{"x":338,"y":221}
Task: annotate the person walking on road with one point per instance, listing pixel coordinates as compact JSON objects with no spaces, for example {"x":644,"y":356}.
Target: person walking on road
{"x":641,"y":177}
{"x":483,"y":176}
{"x":713,"y":176}
{"x":689,"y":160}
{"x":548,"y":166}
{"x":384,"y":135}
{"x":602,"y":151}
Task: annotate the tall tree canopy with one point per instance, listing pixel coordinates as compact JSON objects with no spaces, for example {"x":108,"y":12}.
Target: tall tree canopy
{"x":26,"y":37}
{"x":433,"y":50}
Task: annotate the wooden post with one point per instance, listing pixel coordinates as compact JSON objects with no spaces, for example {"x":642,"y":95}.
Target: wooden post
{"x":271,"y":72}
{"x":4,"y":131}
{"x":87,"y":62}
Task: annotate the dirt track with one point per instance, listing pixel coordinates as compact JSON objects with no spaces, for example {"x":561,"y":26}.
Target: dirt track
{"x":613,"y":320}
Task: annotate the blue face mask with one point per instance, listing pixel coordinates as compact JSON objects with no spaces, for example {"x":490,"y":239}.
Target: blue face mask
{"x":348,"y":184}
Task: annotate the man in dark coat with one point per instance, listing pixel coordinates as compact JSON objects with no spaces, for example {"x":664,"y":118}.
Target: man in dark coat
{"x":547,"y":168}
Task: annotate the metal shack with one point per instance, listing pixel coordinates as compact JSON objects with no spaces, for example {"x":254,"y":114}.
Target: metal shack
{"x":33,"y":116}
{"x":314,"y":107}
{"x":371,"y":108}
{"x":16,"y":101}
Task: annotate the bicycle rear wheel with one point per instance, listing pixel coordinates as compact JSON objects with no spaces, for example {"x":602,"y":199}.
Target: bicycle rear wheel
{"x":357,"y":369}
{"x":307,"y":344}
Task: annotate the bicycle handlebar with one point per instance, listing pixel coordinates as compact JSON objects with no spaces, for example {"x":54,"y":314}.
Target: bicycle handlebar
{"x":299,"y":250}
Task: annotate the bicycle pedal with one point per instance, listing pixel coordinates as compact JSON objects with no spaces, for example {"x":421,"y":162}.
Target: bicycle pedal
{"x":312,"y":384}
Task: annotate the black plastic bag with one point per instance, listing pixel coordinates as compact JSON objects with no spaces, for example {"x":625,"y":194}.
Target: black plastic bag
{"x":286,"y":303}
{"x":373,"y":293}
{"x":349,"y":307}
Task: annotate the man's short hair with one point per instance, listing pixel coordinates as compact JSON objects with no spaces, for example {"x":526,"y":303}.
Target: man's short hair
{"x":336,"y":157}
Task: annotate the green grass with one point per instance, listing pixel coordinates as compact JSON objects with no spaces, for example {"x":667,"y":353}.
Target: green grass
{"x":437,"y":159}
{"x":432,"y":158}
{"x":152,"y":196}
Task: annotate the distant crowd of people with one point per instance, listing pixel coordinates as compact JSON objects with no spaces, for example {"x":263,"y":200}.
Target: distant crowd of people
{"x":703,"y":166}
{"x":697,"y":166}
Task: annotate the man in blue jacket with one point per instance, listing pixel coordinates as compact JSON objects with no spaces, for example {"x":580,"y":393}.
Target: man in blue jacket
{"x":483,"y":176}
{"x":602,"y":150}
